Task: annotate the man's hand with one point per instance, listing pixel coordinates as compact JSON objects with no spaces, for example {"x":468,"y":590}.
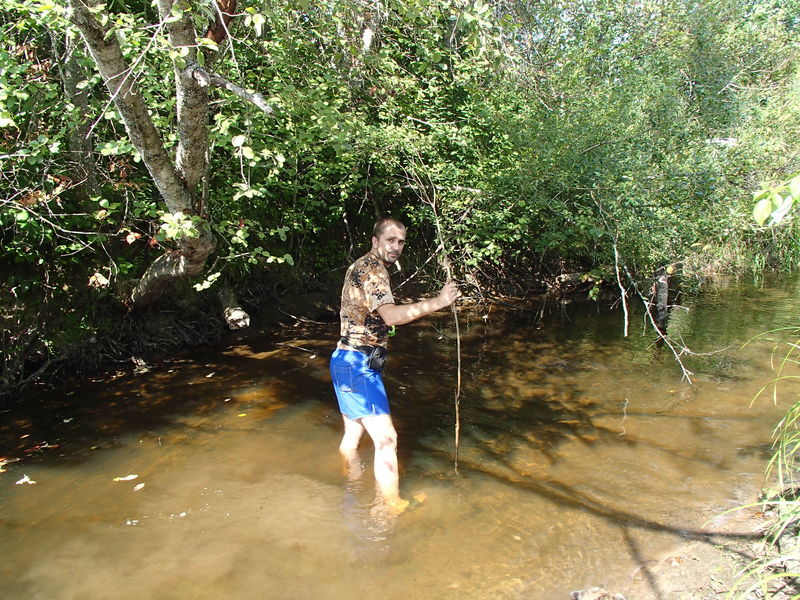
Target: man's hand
{"x":449,"y":293}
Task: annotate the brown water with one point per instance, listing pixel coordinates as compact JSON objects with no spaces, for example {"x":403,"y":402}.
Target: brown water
{"x":583,"y":459}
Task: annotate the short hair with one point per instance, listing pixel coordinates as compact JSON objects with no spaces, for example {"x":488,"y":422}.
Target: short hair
{"x":383,"y":223}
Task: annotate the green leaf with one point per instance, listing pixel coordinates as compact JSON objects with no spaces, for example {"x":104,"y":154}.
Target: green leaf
{"x":779,"y":213}
{"x":762,"y":210}
{"x":208,"y":43}
{"x":794,"y":186}
{"x":238,"y":141}
{"x":258,"y":23}
{"x":207,"y":282}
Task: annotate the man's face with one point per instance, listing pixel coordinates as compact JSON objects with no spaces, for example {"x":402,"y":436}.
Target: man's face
{"x":389,"y":246}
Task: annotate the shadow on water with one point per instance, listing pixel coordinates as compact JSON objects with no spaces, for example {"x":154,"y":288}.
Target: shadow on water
{"x":582,"y":455}
{"x":540,"y":402}
{"x":70,"y":424}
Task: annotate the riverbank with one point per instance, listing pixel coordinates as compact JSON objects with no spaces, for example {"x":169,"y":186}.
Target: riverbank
{"x":720,"y":565}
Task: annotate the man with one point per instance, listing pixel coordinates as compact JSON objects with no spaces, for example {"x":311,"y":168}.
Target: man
{"x":367,"y":313}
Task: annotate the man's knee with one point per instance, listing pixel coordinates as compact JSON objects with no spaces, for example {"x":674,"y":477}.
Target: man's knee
{"x":386,"y":442}
{"x":382,"y":432}
{"x":349,"y":443}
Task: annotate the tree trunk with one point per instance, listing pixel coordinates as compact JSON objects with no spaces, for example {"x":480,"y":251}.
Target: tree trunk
{"x":175,"y":183}
{"x":661,"y":289}
{"x":82,"y":167}
{"x":192,"y":102}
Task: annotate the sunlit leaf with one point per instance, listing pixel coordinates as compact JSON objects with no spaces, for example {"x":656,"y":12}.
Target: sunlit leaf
{"x":779,"y":213}
{"x":258,"y":23}
{"x":794,"y":186}
{"x":98,"y":280}
{"x":762,"y":210}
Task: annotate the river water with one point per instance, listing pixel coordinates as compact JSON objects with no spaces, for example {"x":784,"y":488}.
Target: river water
{"x":585,"y":458}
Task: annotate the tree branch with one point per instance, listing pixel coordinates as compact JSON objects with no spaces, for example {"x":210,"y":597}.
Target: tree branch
{"x":204,"y":79}
{"x":107,"y":54}
{"x":192,"y":101}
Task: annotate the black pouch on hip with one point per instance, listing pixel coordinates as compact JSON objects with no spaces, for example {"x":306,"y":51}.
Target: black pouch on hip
{"x":376,"y":358}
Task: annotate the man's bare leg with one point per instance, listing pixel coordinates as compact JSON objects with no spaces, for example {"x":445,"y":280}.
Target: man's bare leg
{"x":348,"y":448}
{"x":384,"y":437}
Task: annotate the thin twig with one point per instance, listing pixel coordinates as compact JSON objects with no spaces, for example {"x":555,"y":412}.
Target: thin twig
{"x":415,"y":273}
{"x":228,"y":35}
{"x":430,"y":199}
{"x":622,"y":290}
{"x":296,"y":347}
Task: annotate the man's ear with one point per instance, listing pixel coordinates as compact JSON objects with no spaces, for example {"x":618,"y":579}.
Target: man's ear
{"x":374,"y":242}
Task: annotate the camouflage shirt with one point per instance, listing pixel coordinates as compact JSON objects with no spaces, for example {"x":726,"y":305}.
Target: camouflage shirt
{"x":366,"y":287}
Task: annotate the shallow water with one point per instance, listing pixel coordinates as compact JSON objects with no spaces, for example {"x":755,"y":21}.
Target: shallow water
{"x":584,"y":458}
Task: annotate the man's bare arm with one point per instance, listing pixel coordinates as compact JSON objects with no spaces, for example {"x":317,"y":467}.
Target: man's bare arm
{"x":400,"y":314}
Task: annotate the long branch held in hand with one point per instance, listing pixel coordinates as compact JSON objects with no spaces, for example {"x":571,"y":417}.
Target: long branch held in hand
{"x":430,"y":199}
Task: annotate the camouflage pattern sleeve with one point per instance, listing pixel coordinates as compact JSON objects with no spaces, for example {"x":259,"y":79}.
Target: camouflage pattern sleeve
{"x":377,"y":288}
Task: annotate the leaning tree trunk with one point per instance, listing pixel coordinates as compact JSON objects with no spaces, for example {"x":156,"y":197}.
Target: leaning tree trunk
{"x":178,"y":182}
{"x":175,"y":182}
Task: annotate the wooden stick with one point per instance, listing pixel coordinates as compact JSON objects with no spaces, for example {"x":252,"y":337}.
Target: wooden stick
{"x":430,"y":198}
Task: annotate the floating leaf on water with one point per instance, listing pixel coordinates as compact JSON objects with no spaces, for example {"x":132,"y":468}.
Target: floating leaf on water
{"x":26,"y":479}
{"x":125,"y":478}
{"x":137,"y":487}
{"x":210,"y":374}
{"x":242,"y":414}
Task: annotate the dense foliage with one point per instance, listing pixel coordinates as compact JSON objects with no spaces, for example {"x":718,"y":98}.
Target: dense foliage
{"x":544,"y":136}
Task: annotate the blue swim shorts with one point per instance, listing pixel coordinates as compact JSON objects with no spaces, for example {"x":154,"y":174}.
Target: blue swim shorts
{"x":358,"y":388}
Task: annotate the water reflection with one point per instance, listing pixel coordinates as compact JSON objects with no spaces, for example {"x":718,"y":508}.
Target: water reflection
{"x":584,"y":459}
